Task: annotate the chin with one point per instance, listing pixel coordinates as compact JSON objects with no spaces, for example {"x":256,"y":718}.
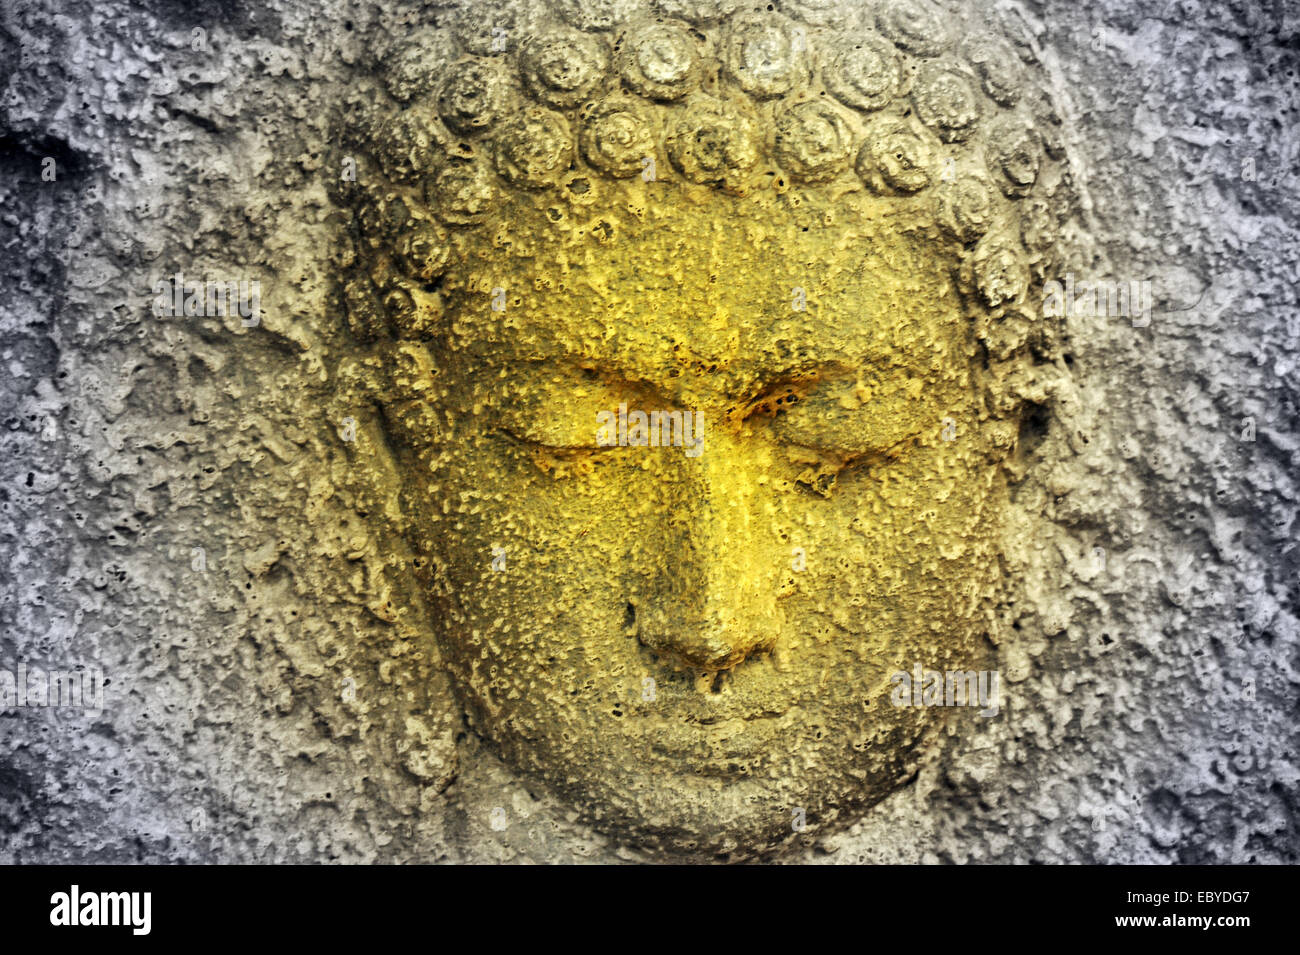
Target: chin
{"x":711,"y":805}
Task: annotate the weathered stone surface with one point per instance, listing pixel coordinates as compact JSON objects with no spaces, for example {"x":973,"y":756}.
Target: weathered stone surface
{"x":178,"y":502}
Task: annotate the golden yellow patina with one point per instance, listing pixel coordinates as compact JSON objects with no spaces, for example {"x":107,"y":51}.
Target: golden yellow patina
{"x":693,"y":645}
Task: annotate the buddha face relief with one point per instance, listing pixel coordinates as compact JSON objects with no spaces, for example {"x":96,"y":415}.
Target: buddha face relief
{"x":693,"y":464}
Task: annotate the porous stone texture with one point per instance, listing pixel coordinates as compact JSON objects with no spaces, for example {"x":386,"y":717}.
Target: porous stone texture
{"x":171,"y":514}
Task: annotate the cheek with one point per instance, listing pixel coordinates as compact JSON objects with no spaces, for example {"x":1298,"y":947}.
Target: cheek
{"x":907,"y":548}
{"x":531,"y":560}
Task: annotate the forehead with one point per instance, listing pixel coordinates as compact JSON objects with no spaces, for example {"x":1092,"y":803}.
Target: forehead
{"x":735,"y":291}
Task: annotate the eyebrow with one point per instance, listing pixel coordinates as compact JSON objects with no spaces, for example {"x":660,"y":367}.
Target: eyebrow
{"x":610,"y":372}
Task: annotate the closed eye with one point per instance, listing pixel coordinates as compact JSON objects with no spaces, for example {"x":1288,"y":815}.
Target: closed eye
{"x":525,"y":441}
{"x":846,"y":417}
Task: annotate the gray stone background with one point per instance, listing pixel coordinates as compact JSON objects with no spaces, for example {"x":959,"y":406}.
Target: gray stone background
{"x":1152,"y":699}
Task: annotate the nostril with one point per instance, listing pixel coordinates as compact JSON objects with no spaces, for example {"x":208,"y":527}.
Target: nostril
{"x":629,"y":617}
{"x":712,"y":656}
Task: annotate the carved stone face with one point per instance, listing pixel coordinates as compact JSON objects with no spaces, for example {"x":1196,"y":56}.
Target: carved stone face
{"x":692,"y":641}
{"x":691,"y":646}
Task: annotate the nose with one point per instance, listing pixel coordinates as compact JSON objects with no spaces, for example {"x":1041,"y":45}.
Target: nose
{"x":714,"y":598}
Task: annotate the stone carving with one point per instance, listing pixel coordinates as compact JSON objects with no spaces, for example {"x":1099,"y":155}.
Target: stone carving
{"x":808,"y":228}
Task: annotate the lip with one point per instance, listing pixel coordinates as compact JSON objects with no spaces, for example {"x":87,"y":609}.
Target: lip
{"x":715,"y":743}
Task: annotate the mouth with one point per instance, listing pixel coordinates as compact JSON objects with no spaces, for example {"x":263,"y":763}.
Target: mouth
{"x":717,"y":745}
